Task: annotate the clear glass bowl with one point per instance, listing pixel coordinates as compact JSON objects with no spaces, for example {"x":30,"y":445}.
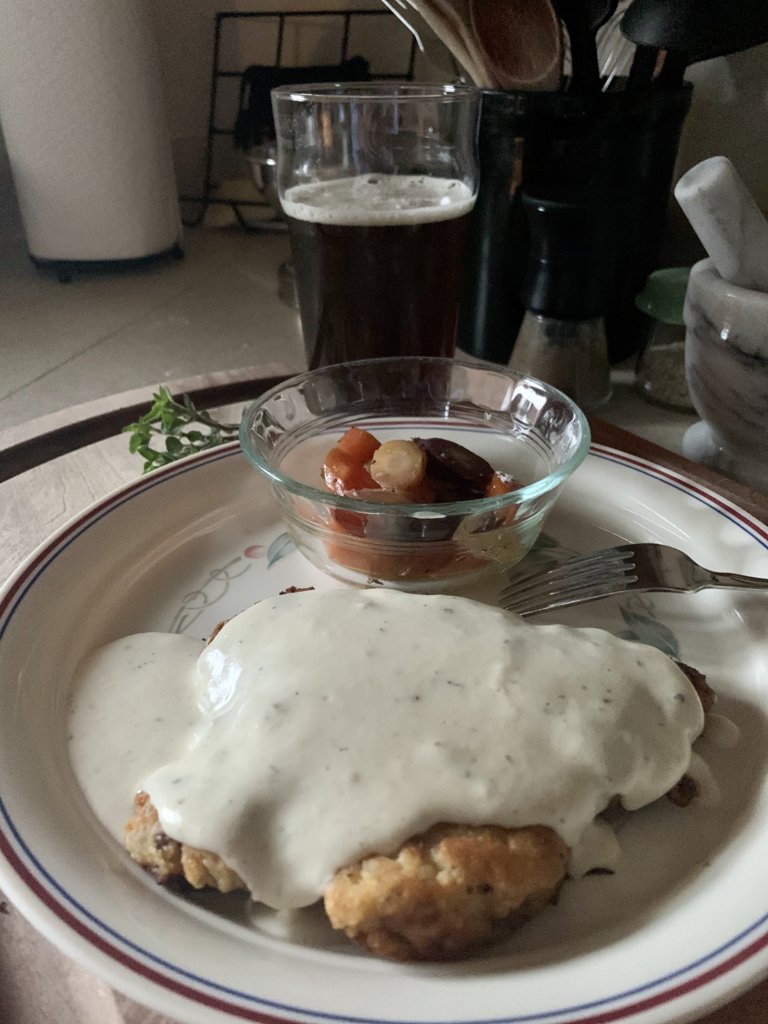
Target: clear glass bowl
{"x":522,"y":426}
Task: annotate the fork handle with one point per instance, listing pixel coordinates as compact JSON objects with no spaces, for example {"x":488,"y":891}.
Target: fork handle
{"x":737,"y":581}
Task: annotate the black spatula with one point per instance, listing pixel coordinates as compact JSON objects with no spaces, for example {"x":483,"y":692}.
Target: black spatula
{"x":582,"y":19}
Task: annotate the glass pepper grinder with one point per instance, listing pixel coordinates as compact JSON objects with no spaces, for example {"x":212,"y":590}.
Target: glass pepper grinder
{"x":660,"y":373}
{"x":567,"y":281}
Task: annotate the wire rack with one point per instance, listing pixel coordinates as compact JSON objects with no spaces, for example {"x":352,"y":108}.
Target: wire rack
{"x":342,"y":22}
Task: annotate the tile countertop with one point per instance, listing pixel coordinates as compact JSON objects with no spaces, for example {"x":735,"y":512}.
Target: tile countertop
{"x":629,"y":409}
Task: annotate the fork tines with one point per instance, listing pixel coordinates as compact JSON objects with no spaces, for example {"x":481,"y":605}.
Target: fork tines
{"x":601,"y":574}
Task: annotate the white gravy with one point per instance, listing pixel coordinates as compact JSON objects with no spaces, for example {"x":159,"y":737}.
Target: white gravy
{"x":322,"y":726}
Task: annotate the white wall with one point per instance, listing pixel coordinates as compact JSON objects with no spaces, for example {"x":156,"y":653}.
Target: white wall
{"x":728,"y":117}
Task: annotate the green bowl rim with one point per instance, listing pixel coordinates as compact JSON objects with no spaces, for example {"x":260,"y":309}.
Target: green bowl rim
{"x":467,"y":507}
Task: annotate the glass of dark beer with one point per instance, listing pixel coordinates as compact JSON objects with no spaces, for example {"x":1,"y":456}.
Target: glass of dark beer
{"x":377,"y":182}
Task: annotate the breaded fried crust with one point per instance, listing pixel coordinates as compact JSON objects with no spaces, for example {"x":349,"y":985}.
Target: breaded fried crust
{"x":148,"y":844}
{"x":447,"y":891}
{"x":443,"y":894}
{"x":166,"y":859}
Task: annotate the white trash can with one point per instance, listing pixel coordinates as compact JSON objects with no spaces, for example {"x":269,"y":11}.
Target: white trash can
{"x":82,"y":112}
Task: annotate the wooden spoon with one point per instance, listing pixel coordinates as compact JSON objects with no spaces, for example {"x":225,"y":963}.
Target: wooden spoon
{"x":521,"y":42}
{"x":457,"y":12}
{"x":453,"y":34}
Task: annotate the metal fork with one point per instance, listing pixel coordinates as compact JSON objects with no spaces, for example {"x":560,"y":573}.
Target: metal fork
{"x":633,"y":567}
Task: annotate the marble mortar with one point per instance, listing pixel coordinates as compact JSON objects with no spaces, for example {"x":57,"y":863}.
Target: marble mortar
{"x":726,"y":367}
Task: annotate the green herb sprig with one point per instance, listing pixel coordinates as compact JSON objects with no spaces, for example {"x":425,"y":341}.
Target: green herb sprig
{"x":184,"y":428}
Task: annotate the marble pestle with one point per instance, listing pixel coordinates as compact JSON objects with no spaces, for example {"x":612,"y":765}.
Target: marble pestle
{"x":726,"y":319}
{"x":727,"y":220}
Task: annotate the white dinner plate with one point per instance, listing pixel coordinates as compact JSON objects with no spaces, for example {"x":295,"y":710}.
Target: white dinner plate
{"x":680,"y":928}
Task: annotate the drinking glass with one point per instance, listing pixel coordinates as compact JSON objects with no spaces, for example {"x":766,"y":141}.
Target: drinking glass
{"x":377,"y":182}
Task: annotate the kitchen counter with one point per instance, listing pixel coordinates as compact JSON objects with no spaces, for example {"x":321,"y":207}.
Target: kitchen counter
{"x":633,"y":412}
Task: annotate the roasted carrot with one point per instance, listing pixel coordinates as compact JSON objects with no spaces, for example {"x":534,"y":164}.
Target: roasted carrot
{"x":343,"y":473}
{"x":500,"y":484}
{"x":385,"y":564}
{"x":359,"y":444}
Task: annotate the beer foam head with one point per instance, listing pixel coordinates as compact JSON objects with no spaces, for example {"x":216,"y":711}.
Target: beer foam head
{"x":371,"y":200}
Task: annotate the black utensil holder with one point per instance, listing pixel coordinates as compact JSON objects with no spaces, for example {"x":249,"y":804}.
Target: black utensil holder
{"x":615,"y":150}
